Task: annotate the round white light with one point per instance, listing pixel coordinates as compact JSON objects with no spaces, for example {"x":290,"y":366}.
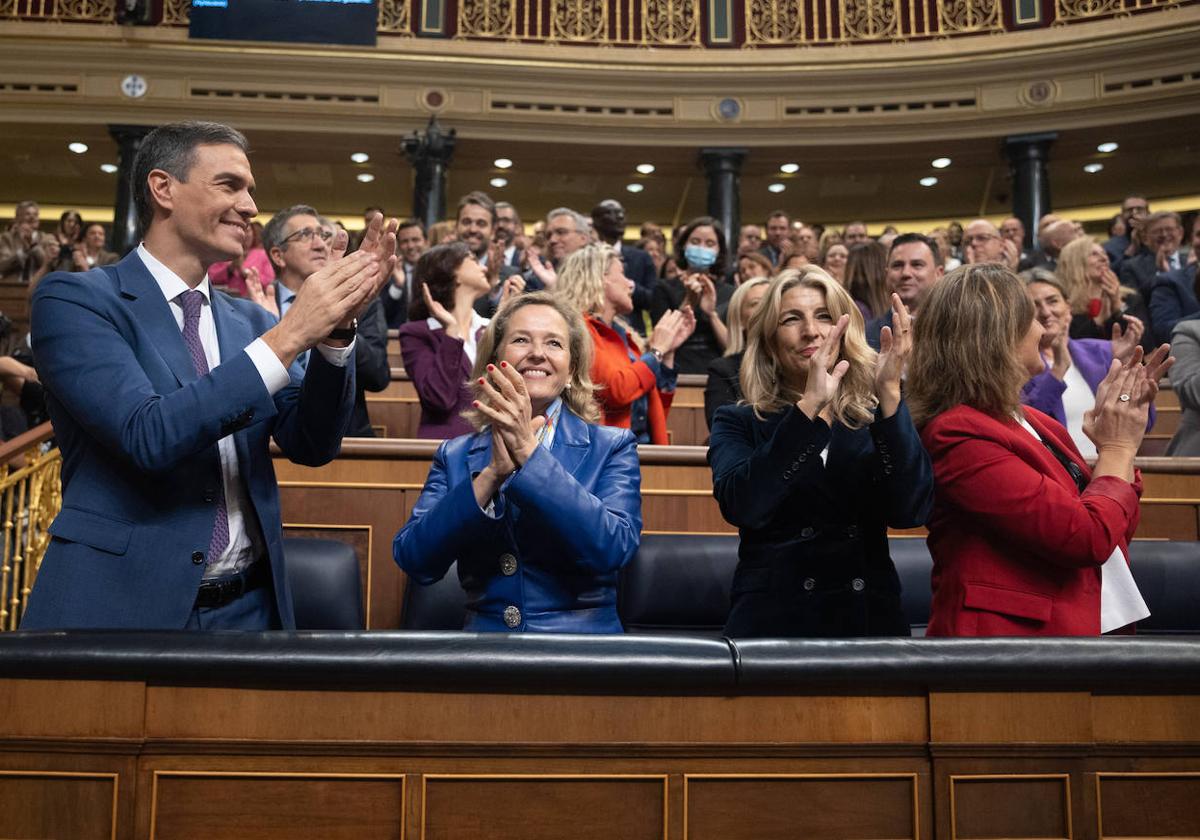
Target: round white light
{"x":634,"y":188}
{"x":365,"y":177}
{"x":646,"y":168}
{"x":360,"y":157}
{"x":77,"y":148}
{"x":928,"y":181}
{"x":790,"y":168}
{"x":1093,"y":168}
{"x":499,"y":182}
{"x":776,"y":188}
{"x":108,"y":168}
{"x":502,"y":163}
{"x":1107,"y":148}
{"x":940,"y":163}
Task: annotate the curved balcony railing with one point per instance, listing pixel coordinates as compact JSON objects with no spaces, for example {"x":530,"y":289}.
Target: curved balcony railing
{"x":30,"y":496}
{"x":673,"y":23}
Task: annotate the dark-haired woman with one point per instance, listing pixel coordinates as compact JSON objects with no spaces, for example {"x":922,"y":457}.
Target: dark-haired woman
{"x":438,"y":342}
{"x":700,"y":255}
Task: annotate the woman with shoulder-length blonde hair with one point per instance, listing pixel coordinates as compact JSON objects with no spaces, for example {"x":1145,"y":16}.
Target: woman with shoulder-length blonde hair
{"x":723,"y":386}
{"x":1026,"y":539}
{"x":540,"y":507}
{"x":1098,"y":300}
{"x":634,"y":384}
{"x":815,"y":464}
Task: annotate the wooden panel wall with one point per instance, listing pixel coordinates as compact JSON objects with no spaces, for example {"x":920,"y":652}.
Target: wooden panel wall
{"x":261,"y":764}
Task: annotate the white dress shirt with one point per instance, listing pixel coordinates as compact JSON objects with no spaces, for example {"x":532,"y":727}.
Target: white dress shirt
{"x":246,"y":542}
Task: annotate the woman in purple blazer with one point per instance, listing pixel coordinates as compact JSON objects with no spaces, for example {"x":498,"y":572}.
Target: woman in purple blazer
{"x":1074,"y":367}
{"x":438,"y":342}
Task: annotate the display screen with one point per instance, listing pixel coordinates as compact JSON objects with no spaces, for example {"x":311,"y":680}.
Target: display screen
{"x":312,"y":21}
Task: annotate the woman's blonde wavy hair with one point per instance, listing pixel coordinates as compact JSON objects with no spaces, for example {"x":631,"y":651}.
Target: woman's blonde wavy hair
{"x":581,"y":277}
{"x":965,"y":344}
{"x":733,"y":315}
{"x":1071,"y":271}
{"x":577,"y":395}
{"x":761,"y":377}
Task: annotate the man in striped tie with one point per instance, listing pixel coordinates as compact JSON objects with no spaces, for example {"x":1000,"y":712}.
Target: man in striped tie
{"x":165,"y":395}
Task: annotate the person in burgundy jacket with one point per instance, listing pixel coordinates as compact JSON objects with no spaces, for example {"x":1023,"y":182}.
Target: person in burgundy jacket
{"x":634,"y":385}
{"x":1026,"y":539}
{"x":438,"y":342}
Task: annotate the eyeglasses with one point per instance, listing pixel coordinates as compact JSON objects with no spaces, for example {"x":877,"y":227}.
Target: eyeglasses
{"x":306,"y":235}
{"x":979,"y":237}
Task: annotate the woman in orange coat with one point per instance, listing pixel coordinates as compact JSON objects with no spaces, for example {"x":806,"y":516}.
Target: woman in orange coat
{"x":634,"y":384}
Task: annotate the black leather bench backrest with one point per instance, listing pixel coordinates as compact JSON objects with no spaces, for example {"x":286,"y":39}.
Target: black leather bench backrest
{"x":325,"y":583}
{"x":438,"y":606}
{"x":678,"y":583}
{"x":1168,"y":575}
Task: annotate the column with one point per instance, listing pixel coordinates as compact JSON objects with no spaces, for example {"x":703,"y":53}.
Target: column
{"x":430,"y":154}
{"x":1027,"y":156}
{"x":724,"y":170}
{"x":127,"y":231}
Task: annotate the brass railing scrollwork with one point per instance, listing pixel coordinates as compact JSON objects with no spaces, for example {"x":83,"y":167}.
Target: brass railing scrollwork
{"x":30,"y":497}
{"x":668,"y":23}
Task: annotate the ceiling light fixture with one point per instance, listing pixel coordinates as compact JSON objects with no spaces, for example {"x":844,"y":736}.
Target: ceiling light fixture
{"x":502,"y":163}
{"x":108,"y":168}
{"x":360,"y":157}
{"x":365,"y":177}
{"x":940,"y":163}
{"x":776,"y":188}
{"x":499,"y":182}
{"x":77,"y":148}
{"x":1093,"y":168}
{"x":634,"y":188}
{"x":790,"y":168}
{"x":1108,"y":148}
{"x":928,"y":181}
{"x":646,"y":168}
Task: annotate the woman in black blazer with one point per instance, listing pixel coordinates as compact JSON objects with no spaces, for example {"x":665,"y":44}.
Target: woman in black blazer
{"x":722,"y":387}
{"x":821,"y":459}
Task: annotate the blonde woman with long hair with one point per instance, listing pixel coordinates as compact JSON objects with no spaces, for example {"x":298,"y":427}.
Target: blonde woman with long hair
{"x":538,"y":453}
{"x":1099,"y":303}
{"x":634,"y":383}
{"x":816,"y":463}
{"x":722,"y":387}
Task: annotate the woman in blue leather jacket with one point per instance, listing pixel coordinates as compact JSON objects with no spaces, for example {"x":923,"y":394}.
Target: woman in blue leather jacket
{"x":541,"y":507}
{"x":815,"y":463}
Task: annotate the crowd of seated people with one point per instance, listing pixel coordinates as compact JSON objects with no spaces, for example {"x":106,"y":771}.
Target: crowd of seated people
{"x":950,"y":378}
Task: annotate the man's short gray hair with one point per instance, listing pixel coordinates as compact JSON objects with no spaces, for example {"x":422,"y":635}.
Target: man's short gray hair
{"x":582,"y":223}
{"x":273,"y":234}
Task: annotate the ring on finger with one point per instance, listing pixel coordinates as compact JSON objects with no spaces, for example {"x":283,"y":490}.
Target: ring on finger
{"x":1123,"y":398}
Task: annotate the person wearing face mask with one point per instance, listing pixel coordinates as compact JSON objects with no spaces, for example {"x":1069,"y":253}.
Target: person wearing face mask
{"x":540,"y":507}
{"x":1066,"y":389}
{"x":700,"y":255}
{"x":815,"y":465}
{"x":634,"y":384}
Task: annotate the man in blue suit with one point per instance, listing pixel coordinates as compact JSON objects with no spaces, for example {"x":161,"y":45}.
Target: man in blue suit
{"x":164,"y":396}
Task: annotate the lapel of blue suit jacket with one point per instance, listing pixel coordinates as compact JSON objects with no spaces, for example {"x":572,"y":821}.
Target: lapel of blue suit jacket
{"x":153,"y":314}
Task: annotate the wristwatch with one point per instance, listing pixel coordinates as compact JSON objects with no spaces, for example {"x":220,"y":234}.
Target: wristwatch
{"x":658,"y":354}
{"x":346,"y":333}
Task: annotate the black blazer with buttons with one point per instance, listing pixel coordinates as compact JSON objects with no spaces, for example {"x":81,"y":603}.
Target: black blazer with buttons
{"x":813,"y":559}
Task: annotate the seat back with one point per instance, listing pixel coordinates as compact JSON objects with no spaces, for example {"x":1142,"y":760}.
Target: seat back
{"x":678,"y":583}
{"x":1168,"y":575}
{"x":325,"y":583}
{"x":913,"y":565}
{"x":437,"y":606}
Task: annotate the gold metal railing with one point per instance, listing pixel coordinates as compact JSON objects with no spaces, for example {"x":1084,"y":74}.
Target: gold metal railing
{"x":763,"y":23}
{"x":30,"y":497}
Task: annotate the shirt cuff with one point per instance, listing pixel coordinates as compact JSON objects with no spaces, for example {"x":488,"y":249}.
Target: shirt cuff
{"x":394,"y":292}
{"x":337,"y":356}
{"x":274,"y":374}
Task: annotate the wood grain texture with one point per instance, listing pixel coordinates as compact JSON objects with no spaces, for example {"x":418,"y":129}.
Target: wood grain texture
{"x":1013,"y":806}
{"x":1148,"y":805}
{"x":545,"y":808}
{"x":70,"y":708}
{"x":1004,"y":717}
{"x":80,"y":806}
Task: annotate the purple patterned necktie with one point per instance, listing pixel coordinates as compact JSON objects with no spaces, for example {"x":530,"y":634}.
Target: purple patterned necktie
{"x":192,"y":301}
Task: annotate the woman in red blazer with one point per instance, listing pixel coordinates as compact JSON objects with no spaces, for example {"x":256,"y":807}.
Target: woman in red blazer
{"x":634,"y":385}
{"x":1022,"y":531}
